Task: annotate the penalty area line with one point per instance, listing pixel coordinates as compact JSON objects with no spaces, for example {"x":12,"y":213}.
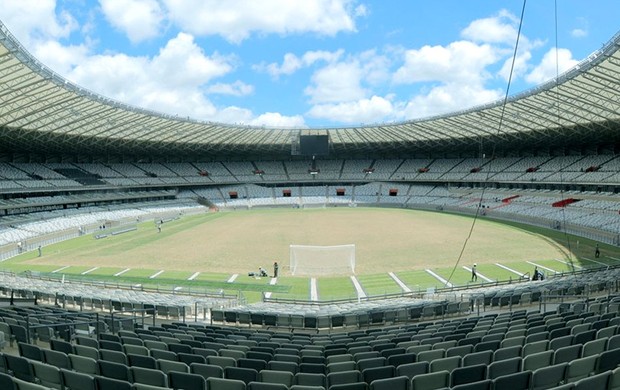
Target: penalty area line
{"x":402,"y":285}
{"x":358,"y":287}
{"x":89,"y":271}
{"x":510,"y":269}
{"x":122,"y":272}
{"x":569,"y":264}
{"x":272,"y":282}
{"x":442,"y":280}
{"x":543,"y":267}
{"x":595,"y":261}
{"x":314,"y":290}
{"x":232,"y":278}
{"x":60,"y":269}
{"x":478,"y":274}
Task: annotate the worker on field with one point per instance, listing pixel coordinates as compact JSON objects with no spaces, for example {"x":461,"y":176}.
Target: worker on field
{"x":275,"y":269}
{"x":474,"y":275}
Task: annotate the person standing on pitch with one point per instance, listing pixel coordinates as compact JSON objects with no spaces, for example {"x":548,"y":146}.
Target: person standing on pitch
{"x":474,"y":275}
{"x":275,"y":269}
{"x":597,"y":252}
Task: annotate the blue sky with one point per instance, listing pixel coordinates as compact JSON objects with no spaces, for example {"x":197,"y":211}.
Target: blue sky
{"x":308,"y":63}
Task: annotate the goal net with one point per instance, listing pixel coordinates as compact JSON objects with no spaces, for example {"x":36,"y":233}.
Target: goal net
{"x":322,"y":260}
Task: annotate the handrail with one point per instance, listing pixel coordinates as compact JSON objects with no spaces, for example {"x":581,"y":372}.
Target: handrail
{"x":64,"y":315}
{"x":438,"y":291}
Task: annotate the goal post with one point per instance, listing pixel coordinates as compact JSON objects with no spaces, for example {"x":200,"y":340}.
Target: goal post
{"x":322,"y":260}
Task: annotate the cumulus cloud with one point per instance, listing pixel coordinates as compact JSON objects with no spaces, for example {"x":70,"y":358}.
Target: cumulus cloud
{"x":243,"y":116}
{"x":457,"y":75}
{"x":341,"y":90}
{"x":461,"y":61}
{"x":184,"y":64}
{"x":336,"y":83}
{"x":365,"y":110}
{"x":169,"y":82}
{"x":446,"y":98}
{"x":138,"y":19}
{"x":292,"y":63}
{"x":58,"y":57}
{"x":34,"y":20}
{"x":343,"y":87}
{"x":500,"y":31}
{"x":547,"y":69}
{"x":579,"y":33}
{"x":236,"y":20}
{"x":237,"y":88}
{"x":279,"y":120}
{"x":500,"y":28}
{"x":583,"y":30}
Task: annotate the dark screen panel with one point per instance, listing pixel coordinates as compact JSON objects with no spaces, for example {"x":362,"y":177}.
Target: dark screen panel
{"x":313,"y":145}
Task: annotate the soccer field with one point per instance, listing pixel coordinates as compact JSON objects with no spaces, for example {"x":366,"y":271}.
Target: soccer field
{"x":209,"y":249}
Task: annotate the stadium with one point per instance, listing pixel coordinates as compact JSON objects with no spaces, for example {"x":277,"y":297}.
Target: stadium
{"x":130,"y":242}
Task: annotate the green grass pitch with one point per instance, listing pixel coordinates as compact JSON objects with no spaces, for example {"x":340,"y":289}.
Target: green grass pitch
{"x":216,"y":251}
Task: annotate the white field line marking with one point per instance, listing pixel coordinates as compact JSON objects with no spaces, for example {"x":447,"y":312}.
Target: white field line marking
{"x":540,"y":266}
{"x":314,"y":291}
{"x":478,"y":274}
{"x":509,"y":269}
{"x":402,"y":285}
{"x":60,"y":269}
{"x":358,"y":287}
{"x":595,"y":261}
{"x":122,"y":272}
{"x":272,"y":282}
{"x":232,"y":278}
{"x":156,"y":274}
{"x":89,"y":271}
{"x":442,"y":280}
{"x":568,"y":264}
{"x":194,"y":275}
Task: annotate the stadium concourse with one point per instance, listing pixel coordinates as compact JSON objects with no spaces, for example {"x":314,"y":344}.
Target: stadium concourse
{"x":72,"y":161}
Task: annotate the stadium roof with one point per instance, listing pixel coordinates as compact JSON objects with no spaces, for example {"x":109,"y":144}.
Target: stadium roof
{"x":43,"y":112}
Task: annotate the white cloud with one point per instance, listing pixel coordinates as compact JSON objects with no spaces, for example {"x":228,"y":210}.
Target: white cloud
{"x":238,"y":88}
{"x":335,"y":83}
{"x":501,"y":32}
{"x":449,"y":97}
{"x":547,"y":69}
{"x":236,"y":20}
{"x":169,"y":82}
{"x":58,"y":57}
{"x":32,"y":20}
{"x":373,"y":110}
{"x":243,"y":116}
{"x":520,"y":67}
{"x":461,"y":61}
{"x":361,"y":11}
{"x":278,"y":120}
{"x":292,"y":63}
{"x":182,"y":63}
{"x":495,"y":29}
{"x":579,"y":33}
{"x":583,"y":30}
{"x":139,"y":19}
